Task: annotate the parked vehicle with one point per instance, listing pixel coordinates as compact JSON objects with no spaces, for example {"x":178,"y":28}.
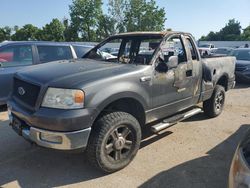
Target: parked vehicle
{"x":222,"y":51}
{"x":242,"y":70}
{"x":112,"y":51}
{"x":209,"y":46}
{"x":17,"y":55}
{"x":101,"y":105}
{"x":106,"y":55}
{"x":240,"y":167}
{"x":206,"y":49}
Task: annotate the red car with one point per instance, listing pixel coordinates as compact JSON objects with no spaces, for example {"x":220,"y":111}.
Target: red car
{"x":6,"y":57}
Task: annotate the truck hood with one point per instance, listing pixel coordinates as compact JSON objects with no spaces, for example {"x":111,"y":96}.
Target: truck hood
{"x":74,"y":73}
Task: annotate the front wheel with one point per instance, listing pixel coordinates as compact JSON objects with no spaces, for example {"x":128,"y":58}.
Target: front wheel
{"x":214,"y":106}
{"x":114,"y":141}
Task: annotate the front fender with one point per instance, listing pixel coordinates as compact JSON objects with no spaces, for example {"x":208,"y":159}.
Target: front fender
{"x":113,"y":92}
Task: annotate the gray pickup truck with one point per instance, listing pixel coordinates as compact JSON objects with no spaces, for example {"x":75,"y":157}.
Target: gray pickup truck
{"x":102,"y":105}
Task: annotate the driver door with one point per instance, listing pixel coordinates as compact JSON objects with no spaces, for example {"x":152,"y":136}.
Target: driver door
{"x":172,"y":90}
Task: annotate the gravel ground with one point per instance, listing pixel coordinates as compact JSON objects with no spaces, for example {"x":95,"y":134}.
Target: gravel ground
{"x":194,"y":153}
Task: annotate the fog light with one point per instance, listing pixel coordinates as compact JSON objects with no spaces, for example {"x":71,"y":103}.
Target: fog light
{"x":51,"y":138}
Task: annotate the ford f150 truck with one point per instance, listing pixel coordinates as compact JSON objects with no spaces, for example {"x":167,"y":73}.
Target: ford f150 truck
{"x":102,"y":105}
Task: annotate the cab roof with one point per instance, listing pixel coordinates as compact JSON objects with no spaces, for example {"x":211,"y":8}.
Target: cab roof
{"x":149,"y":33}
{"x":5,"y":43}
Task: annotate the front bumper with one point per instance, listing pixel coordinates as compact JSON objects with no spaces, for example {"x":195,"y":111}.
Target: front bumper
{"x":53,"y":128}
{"x":51,"y":139}
{"x":54,"y":119}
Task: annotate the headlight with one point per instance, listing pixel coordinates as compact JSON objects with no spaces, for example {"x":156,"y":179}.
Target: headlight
{"x":63,"y":98}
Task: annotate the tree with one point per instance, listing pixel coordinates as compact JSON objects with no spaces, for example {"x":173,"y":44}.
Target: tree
{"x":212,"y":36}
{"x":27,"y":32}
{"x":54,"y":31}
{"x":5,"y":33}
{"x":142,"y":15}
{"x":117,"y":10}
{"x":231,"y":32}
{"x":246,"y":34}
{"x":70,"y":32}
{"x":106,"y":27}
{"x":84,"y":16}
{"x":15,"y":28}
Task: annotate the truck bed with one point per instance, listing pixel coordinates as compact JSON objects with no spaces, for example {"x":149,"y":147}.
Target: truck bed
{"x":215,"y":68}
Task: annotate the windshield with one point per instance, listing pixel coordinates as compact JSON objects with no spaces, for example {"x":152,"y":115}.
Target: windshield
{"x":126,"y":50}
{"x":241,"y":54}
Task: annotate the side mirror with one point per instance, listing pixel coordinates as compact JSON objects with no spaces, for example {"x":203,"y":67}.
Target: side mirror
{"x":172,"y":62}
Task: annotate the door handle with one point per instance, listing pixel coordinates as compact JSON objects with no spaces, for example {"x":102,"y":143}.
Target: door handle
{"x":145,"y":79}
{"x":189,"y":73}
{"x":214,"y":72}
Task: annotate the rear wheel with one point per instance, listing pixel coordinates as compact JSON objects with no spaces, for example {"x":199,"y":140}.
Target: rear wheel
{"x":114,"y":141}
{"x":214,"y":106}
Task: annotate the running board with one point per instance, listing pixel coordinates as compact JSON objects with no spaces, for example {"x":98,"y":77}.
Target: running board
{"x":166,"y":123}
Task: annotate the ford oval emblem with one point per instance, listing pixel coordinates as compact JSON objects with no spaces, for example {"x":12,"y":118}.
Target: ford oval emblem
{"x":21,"y":90}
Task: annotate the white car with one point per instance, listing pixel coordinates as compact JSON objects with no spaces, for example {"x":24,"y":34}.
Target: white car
{"x":106,"y":55}
{"x":206,"y":49}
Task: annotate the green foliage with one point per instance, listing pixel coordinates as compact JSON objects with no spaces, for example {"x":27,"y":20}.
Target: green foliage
{"x":105,"y":27}
{"x":231,"y":32}
{"x":142,"y":15}
{"x":5,"y":33}
{"x":85,"y":15}
{"x":54,"y":31}
{"x":117,"y":10}
{"x":212,"y":36}
{"x":88,"y":22}
{"x":27,"y":32}
{"x":246,"y":34}
{"x":136,"y":15}
{"x":70,"y":32}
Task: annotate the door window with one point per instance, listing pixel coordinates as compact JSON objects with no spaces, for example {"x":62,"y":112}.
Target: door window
{"x":146,"y":50}
{"x":16,"y":56}
{"x":191,"y":48}
{"x":174,"y":47}
{"x":82,"y":50}
{"x":54,"y":53}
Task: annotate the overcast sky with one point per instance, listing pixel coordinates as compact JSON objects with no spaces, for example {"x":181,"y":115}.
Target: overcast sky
{"x":195,"y":16}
